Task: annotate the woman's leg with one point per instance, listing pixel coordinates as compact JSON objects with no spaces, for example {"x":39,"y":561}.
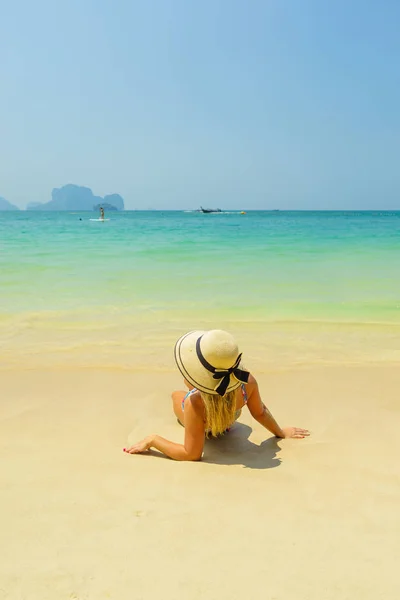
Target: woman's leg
{"x":177,"y":398}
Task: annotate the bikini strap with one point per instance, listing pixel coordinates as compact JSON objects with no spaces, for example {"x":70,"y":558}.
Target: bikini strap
{"x":244,"y":392}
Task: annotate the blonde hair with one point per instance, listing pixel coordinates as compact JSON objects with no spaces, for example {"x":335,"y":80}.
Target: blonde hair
{"x":220,"y":411}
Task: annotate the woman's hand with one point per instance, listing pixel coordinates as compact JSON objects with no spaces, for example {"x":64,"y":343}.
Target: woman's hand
{"x":140,"y":447}
{"x":295,"y":432}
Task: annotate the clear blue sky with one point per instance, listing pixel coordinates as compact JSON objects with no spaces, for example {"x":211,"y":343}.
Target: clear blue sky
{"x":175,"y":103}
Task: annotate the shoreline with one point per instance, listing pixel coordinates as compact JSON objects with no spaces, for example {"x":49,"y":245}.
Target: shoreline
{"x":171,"y":371}
{"x":148,"y":346}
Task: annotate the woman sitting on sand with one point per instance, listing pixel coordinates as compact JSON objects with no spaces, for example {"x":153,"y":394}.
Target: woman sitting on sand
{"x":219,"y":387}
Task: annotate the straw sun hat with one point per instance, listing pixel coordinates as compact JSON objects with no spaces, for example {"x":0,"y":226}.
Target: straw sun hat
{"x":210,"y":361}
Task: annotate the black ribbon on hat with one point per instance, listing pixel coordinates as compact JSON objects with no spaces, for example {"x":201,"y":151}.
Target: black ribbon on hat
{"x":223,"y":374}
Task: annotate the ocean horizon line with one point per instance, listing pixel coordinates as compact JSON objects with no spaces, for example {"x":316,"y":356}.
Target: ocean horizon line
{"x":223,"y":210}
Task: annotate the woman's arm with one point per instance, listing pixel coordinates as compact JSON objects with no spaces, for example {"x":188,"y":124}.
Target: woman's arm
{"x":261,"y":414}
{"x":170,"y":449}
{"x":191,"y":449}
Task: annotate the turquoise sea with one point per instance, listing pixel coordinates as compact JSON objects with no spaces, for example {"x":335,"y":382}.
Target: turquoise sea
{"x":295,"y":287}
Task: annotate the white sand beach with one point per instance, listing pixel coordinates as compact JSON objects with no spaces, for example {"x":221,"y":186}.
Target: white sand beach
{"x":313,"y":519}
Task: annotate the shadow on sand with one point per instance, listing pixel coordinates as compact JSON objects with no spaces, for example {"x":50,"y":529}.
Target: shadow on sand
{"x":235,"y":448}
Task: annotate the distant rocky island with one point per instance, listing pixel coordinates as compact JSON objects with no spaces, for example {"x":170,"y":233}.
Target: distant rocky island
{"x":76,"y":197}
{"x":5,"y":205}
